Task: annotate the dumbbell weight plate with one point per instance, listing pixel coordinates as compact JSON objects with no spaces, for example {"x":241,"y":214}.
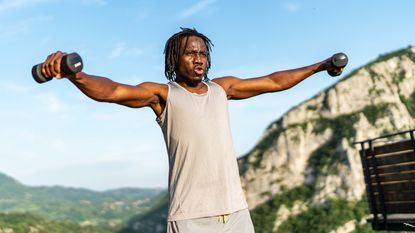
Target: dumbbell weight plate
{"x":70,"y":64}
{"x":338,"y":60}
{"x":37,"y":74}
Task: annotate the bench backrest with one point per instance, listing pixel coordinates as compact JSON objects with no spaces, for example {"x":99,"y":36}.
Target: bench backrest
{"x":390,"y":182}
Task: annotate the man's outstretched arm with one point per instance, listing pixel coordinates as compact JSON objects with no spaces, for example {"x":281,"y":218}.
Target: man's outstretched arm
{"x":237,"y":88}
{"x":105,"y":90}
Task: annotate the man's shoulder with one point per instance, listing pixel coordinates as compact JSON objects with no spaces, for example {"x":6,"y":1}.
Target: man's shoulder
{"x":159,"y":89}
{"x":225,"y":82}
{"x":153,"y":85}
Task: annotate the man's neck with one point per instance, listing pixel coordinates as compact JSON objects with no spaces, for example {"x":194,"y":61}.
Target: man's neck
{"x":199,"y":87}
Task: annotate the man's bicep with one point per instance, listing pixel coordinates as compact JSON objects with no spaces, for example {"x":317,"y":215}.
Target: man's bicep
{"x":237,"y":88}
{"x":142,"y":95}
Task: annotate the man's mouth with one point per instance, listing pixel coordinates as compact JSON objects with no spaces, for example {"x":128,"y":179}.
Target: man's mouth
{"x":199,"y":70}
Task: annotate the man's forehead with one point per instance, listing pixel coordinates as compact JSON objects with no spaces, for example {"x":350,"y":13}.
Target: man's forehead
{"x":193,"y":42}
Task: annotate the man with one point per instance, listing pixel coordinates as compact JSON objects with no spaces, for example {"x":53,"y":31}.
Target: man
{"x":204,"y":186}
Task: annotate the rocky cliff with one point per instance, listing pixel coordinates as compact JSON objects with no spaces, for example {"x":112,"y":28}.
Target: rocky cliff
{"x":310,"y":148}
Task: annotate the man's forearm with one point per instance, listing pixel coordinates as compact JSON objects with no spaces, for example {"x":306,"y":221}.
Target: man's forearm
{"x":289,"y":78}
{"x":97,"y":88}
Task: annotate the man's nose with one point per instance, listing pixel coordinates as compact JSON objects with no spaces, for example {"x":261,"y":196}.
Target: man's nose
{"x":198,"y":58}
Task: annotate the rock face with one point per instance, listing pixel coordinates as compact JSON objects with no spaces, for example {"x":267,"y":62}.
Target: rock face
{"x":312,"y":144}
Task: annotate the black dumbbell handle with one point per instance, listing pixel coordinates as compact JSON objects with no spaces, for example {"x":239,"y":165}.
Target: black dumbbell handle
{"x":338,"y":60}
{"x":70,"y":64}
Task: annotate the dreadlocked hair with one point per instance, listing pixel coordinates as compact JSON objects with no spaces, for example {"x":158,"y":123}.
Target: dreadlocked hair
{"x":172,"y":52}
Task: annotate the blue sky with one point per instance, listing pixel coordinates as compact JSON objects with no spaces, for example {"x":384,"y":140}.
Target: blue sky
{"x":53,"y":135}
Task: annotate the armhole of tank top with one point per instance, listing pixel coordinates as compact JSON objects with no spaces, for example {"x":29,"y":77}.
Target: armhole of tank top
{"x":161,"y":119}
{"x":220,"y":87}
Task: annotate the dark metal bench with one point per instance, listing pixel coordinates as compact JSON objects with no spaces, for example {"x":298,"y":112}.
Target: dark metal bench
{"x":389,"y":171}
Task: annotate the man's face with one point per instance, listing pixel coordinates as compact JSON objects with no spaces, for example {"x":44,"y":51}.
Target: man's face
{"x":192,"y":60}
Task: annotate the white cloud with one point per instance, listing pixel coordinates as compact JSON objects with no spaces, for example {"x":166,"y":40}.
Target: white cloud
{"x":121,"y":49}
{"x":12,"y":4}
{"x":6,"y":5}
{"x":38,"y":19}
{"x":50,"y":102}
{"x":143,"y":14}
{"x":200,"y":6}
{"x":134,"y":52}
{"x":13,"y":32}
{"x":56,"y":143}
{"x":23,"y":26}
{"x":26,"y":135}
{"x":291,"y":7}
{"x":15,"y":88}
{"x":117,"y":51}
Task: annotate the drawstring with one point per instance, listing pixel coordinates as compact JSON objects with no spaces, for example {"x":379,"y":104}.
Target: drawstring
{"x":223,"y":218}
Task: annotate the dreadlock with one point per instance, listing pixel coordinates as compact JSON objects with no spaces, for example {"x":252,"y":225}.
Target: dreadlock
{"x":172,"y":51}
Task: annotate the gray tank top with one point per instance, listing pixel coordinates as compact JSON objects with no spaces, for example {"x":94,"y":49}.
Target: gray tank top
{"x":203,"y":173}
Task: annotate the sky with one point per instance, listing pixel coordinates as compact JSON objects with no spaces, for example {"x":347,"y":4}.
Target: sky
{"x":51,"y":134}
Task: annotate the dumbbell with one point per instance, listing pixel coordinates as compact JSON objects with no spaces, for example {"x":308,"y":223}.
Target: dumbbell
{"x":338,"y":60}
{"x":70,"y":64}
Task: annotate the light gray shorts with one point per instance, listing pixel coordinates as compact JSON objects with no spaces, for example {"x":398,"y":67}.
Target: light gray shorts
{"x":238,"y":222}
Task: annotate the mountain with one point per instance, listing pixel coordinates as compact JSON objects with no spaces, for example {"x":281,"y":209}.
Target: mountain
{"x":304,"y":174}
{"x":305,"y":168}
{"x":8,"y":183}
{"x":110,"y":208}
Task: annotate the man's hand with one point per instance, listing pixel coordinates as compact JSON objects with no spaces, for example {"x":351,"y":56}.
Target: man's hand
{"x":336,"y":63}
{"x":52,"y":65}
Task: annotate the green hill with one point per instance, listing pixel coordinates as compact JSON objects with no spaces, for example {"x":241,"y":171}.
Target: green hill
{"x":9,"y":184}
{"x":154,"y":221}
{"x":108,"y":208}
{"x":25,"y":222}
